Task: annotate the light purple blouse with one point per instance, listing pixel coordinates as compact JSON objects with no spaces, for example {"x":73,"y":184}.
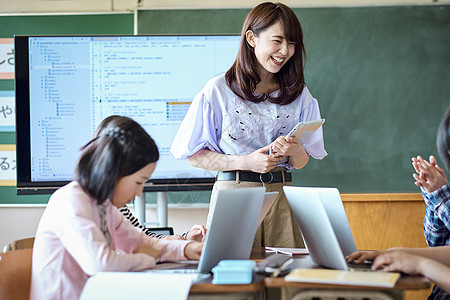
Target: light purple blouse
{"x":70,"y":246}
{"x":221,"y":121}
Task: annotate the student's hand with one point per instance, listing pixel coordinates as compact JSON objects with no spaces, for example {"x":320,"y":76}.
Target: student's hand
{"x":173,"y":237}
{"x":259,"y":162}
{"x":146,"y":249}
{"x":285,"y":146}
{"x":429,"y":175}
{"x":360,"y":256}
{"x":399,"y":261}
{"x":197,"y":233}
{"x":193,"y":250}
{"x":418,"y":161}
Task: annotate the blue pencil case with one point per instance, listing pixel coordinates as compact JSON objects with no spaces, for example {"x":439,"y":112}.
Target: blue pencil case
{"x":234,"y":272}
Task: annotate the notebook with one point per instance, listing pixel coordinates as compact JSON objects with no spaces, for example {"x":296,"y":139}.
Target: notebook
{"x":361,"y":278}
{"x":287,"y":251}
{"x":322,"y":220}
{"x":231,"y":233}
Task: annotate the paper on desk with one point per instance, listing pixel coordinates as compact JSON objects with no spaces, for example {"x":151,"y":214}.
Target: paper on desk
{"x":288,"y":251}
{"x":364,"y":278}
{"x":135,"y":285}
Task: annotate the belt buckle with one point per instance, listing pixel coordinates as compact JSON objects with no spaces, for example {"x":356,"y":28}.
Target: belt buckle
{"x":261,"y":178}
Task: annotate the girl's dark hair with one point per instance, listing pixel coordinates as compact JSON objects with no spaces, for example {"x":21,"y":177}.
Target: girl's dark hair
{"x":443,"y":138}
{"x":119,"y":148}
{"x":242,"y":77}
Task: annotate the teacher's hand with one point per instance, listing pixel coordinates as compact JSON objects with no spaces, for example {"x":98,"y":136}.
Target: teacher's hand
{"x":285,"y":146}
{"x":260,"y":162}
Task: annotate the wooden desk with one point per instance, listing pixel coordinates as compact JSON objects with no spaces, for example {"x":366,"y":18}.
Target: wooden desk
{"x":291,"y":289}
{"x":261,"y":285}
{"x":380,"y":221}
{"x":207,"y":290}
{"x":406,"y":282}
{"x":385,"y":220}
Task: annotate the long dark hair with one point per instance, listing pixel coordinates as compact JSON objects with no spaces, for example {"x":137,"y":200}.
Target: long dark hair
{"x":443,"y":139}
{"x":242,"y":77}
{"x":119,"y":148}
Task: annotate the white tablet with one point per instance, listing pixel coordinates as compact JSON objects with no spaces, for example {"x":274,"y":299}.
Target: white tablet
{"x":304,"y":130}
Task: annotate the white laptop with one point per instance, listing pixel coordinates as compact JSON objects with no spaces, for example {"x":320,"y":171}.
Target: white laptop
{"x":234,"y":223}
{"x":322,"y":220}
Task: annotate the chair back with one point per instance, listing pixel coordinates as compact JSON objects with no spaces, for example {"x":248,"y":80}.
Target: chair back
{"x":19,"y":244}
{"x":15,"y":274}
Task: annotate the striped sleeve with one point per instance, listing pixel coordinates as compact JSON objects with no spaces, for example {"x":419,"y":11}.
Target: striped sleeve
{"x":135,"y":222}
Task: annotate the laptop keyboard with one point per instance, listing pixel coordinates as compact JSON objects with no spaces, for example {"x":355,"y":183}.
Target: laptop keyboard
{"x":365,"y":266}
{"x":177,"y":266}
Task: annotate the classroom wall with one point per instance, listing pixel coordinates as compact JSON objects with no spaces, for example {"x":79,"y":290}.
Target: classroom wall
{"x":33,"y":6}
{"x":21,"y":221}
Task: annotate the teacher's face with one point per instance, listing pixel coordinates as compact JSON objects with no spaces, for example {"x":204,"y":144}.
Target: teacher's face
{"x":272,"y":50}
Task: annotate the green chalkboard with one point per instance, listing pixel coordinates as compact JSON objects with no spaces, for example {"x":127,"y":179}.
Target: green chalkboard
{"x":381,"y":76}
{"x":53,"y":24}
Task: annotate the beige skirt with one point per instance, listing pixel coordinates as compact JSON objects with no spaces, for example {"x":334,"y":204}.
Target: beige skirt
{"x":278,"y":228}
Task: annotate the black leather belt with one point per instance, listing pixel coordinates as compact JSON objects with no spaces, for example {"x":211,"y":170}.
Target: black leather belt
{"x":270,"y":177}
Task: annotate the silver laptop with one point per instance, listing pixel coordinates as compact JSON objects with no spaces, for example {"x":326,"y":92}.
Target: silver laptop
{"x":332,"y":202}
{"x":233,"y":226}
{"x":322,"y":220}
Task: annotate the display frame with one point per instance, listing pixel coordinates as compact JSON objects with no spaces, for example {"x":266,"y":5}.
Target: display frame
{"x":25,"y":185}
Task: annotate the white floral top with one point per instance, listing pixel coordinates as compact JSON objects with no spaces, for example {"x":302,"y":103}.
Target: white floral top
{"x":221,"y":121}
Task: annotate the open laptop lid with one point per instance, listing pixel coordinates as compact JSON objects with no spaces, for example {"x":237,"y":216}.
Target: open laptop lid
{"x":315,"y":227}
{"x":233,"y":226}
{"x":332,"y":202}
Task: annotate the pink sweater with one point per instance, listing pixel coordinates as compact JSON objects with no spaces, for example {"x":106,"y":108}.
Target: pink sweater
{"x":70,"y":247}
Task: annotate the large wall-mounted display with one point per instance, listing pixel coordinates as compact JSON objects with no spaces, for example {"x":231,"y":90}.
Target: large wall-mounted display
{"x":66,"y":85}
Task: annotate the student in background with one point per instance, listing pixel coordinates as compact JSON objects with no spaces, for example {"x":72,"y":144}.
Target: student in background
{"x":432,"y":262}
{"x":237,"y":124}
{"x":82,"y":232}
{"x":196,"y":233}
{"x":436,"y":192}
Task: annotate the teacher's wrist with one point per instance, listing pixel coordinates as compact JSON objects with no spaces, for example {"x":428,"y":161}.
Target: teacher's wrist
{"x":299,"y":161}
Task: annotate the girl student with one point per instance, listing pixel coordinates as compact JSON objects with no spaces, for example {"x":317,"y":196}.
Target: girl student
{"x":237,"y":124}
{"x":196,"y":233}
{"x":82,"y":232}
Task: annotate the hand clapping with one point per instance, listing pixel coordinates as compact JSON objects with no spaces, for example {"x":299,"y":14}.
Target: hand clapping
{"x":429,"y":175}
